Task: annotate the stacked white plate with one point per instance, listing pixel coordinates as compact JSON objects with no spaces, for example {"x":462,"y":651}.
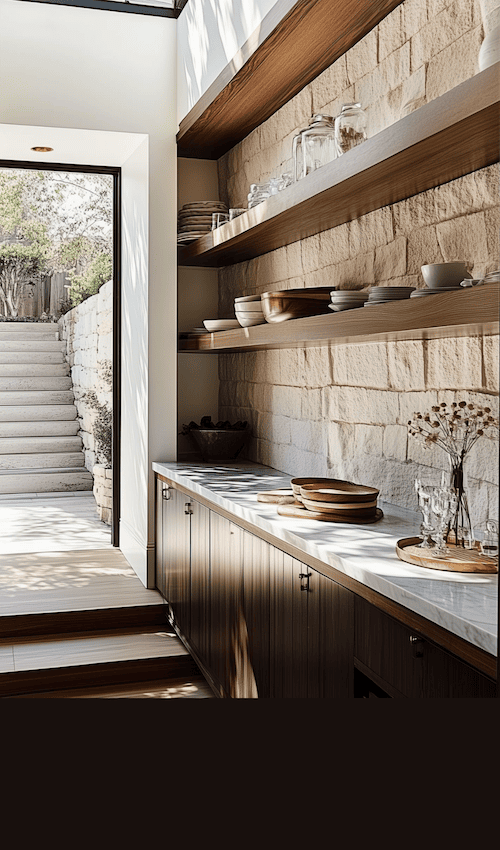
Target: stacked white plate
{"x":213,"y":325}
{"x":248,"y":311}
{"x":195,"y":220}
{"x":343,"y":299}
{"x":434,"y":290}
{"x":384,"y":294}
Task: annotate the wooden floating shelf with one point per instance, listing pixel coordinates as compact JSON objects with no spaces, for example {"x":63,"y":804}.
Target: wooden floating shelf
{"x":296,"y":41}
{"x":452,"y":136}
{"x":471,"y":312}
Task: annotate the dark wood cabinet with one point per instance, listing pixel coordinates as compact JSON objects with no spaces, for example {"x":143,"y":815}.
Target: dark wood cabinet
{"x":404,"y":663}
{"x":262,"y":624}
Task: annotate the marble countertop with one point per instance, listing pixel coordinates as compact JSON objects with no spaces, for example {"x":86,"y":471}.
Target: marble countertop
{"x":462,"y":603}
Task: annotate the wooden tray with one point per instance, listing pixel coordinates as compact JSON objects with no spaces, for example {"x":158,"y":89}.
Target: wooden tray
{"x":296,"y":511}
{"x":277,"y":497}
{"x":338,"y":491}
{"x":460,"y":560}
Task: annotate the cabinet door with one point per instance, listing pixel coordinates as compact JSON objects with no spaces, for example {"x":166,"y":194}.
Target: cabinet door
{"x":225,"y":601}
{"x":200,"y":581}
{"x":255,"y":615}
{"x":161,"y":489}
{"x":176,"y":558}
{"x":447,"y":676}
{"x":288,"y":626}
{"x":330,"y":639}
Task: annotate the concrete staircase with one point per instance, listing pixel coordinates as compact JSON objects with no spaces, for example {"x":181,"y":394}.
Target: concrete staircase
{"x":40,"y":451}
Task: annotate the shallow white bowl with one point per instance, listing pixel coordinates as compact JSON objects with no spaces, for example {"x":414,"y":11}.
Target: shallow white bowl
{"x":221,"y":324}
{"x":245,"y":298}
{"x":248,"y":323}
{"x":444,"y":274}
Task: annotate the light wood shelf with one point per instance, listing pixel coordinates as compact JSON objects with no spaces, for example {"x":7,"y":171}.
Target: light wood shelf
{"x":471,"y":312}
{"x":296,"y":41}
{"x":452,"y":136}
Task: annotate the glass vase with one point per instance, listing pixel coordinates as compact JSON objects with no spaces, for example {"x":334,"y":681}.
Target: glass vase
{"x":460,"y":529}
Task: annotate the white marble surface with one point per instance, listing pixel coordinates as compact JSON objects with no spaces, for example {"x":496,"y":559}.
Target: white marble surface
{"x":463,"y":603}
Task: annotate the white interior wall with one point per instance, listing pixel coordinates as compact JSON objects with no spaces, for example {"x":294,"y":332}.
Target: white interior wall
{"x":198,"y":375}
{"x":96,"y":71}
{"x":210,"y":34}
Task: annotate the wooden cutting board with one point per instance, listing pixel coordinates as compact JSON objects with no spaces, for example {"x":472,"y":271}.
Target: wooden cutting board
{"x":296,"y":511}
{"x":277,"y":497}
{"x":459,"y":560}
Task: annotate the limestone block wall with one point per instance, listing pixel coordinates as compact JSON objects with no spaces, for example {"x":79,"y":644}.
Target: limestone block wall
{"x":342,"y":411}
{"x":88,"y":332}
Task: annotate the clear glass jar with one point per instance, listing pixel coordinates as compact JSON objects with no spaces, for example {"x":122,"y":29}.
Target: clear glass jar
{"x":318,"y":143}
{"x":258,"y":192}
{"x":350,"y":127}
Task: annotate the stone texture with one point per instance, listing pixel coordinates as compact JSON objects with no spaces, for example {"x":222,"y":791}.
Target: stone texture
{"x":441,"y":31}
{"x":406,"y":365}
{"x":395,"y":441}
{"x":490,"y":363}
{"x":363,"y":365}
{"x":362,"y":58}
{"x":454,"y":64}
{"x":390,"y":260}
{"x":391,"y":33}
{"x":458,"y":363}
{"x":464,"y":238}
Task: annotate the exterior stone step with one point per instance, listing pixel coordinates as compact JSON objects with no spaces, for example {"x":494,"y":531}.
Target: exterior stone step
{"x":44,"y":397}
{"x":52,"y":428}
{"x":37,"y":445}
{"x":42,"y":412}
{"x":32,"y":345}
{"x":30,"y":327}
{"x":45,"y":460}
{"x":45,"y":481}
{"x":34,"y":370}
{"x":38,"y":383}
{"x":26,"y":336}
{"x":31,"y":357}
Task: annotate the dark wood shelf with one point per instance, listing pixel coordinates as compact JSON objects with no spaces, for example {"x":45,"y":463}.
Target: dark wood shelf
{"x":295,"y":42}
{"x":453,"y":135}
{"x":470,"y":312}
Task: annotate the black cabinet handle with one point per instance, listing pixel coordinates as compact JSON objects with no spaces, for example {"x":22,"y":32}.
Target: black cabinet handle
{"x":417,"y":646}
{"x":304,"y":581}
{"x":188,"y":509}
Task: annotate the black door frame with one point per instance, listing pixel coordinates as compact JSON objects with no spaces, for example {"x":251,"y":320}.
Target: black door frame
{"x":116,"y":174}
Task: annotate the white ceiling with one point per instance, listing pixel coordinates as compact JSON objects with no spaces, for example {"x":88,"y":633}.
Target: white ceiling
{"x":71,"y":147}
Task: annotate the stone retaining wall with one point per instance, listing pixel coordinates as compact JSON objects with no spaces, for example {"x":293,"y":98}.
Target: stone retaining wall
{"x":343,"y":411}
{"x":88,"y":332}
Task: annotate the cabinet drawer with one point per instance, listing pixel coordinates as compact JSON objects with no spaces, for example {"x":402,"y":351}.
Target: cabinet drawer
{"x":383,"y":648}
{"x":404,"y":664}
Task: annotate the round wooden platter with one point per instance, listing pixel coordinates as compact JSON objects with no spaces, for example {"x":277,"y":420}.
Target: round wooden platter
{"x":297,"y":511}
{"x":459,"y":561}
{"x":277,"y":497}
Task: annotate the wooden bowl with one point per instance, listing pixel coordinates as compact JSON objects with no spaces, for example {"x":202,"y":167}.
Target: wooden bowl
{"x":297,"y":483}
{"x":338,"y":491}
{"x":325,"y":508}
{"x":344,"y":507}
{"x":295,"y":303}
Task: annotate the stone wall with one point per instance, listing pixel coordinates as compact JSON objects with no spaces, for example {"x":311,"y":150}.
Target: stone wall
{"x":88,"y":332}
{"x":343,"y":411}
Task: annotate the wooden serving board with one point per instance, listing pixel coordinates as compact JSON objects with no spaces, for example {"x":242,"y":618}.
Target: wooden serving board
{"x":459,"y":561}
{"x":277,"y":497}
{"x":297,"y":511}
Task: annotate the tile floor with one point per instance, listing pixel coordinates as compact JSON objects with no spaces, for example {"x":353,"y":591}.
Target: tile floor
{"x":54,"y":522}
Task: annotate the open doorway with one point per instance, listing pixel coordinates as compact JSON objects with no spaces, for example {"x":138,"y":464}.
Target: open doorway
{"x":59,"y":331}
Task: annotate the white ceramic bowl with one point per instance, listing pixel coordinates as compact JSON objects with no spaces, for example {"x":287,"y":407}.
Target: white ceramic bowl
{"x":220,"y":324}
{"x":247,"y":311}
{"x":245,"y":298}
{"x":250,"y":322}
{"x":444,"y":274}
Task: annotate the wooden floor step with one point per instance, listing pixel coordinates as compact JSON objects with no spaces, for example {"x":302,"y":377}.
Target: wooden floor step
{"x":91,"y":659}
{"x":21,"y":626}
{"x":185,"y":687}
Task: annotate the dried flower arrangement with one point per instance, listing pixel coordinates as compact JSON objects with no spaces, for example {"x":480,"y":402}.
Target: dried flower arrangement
{"x":455,"y":428}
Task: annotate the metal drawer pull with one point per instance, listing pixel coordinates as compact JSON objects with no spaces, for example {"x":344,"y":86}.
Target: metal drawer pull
{"x":165,"y":494}
{"x":417,"y":646}
{"x":188,"y":509}
{"x":302,"y":576}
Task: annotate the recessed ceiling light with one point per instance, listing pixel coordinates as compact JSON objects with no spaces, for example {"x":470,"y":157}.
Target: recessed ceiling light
{"x":41,"y":149}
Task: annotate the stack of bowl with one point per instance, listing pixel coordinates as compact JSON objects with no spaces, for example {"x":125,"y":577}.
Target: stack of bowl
{"x":442,"y":277}
{"x":383,"y":294}
{"x":340,"y":501}
{"x":248,"y":311}
{"x":343,"y":299}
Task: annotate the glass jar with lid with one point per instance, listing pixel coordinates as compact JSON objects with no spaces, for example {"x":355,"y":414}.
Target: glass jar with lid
{"x":317,"y":143}
{"x":350,"y":127}
{"x":258,"y":192}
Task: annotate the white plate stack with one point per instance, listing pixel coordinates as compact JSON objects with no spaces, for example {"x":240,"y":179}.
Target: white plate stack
{"x":195,"y":220}
{"x":384,"y":294}
{"x":346,"y":299}
{"x":248,"y":311}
